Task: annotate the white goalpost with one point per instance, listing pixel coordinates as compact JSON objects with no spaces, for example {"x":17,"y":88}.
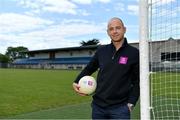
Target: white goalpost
{"x":144,"y":61}
{"x":160,"y":59}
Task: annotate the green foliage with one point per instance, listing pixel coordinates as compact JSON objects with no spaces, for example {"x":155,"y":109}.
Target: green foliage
{"x":90,"y":42}
{"x":16,"y":52}
{"x":4,"y":58}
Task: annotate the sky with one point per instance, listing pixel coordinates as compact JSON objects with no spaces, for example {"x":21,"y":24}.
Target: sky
{"x":47,"y":24}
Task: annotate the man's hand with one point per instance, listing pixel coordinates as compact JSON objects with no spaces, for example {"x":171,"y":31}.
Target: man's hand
{"x":130,"y":106}
{"x":76,"y":89}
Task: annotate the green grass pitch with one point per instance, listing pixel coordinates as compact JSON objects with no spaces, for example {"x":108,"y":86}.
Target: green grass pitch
{"x":43,"y":94}
{"x":166,"y":95}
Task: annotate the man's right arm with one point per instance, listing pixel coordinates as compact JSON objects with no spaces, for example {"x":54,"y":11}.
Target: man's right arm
{"x":91,"y":67}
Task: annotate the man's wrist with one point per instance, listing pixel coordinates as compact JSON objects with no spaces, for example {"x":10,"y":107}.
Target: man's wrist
{"x":130,"y":106}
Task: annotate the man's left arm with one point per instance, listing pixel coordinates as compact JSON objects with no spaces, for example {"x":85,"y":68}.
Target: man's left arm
{"x":135,"y":88}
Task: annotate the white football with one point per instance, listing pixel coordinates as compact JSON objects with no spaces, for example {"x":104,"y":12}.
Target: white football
{"x":87,"y":85}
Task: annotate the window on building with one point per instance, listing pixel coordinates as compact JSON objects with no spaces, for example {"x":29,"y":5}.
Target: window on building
{"x":168,"y":56}
{"x":52,"y":55}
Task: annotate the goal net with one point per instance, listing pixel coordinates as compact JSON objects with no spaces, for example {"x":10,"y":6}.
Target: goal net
{"x":164,"y":49}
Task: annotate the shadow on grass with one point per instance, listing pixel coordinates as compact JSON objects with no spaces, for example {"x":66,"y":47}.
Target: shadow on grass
{"x":77,"y":111}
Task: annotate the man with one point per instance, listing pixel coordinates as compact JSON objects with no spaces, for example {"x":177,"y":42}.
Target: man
{"x":118,"y":77}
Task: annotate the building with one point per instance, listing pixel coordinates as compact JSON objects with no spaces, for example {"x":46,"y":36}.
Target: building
{"x":162,"y":54}
{"x":60,"y":58}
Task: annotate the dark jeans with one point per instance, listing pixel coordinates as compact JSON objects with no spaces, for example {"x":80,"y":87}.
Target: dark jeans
{"x":112,"y":112}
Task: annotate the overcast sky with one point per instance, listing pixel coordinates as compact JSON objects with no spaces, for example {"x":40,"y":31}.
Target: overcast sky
{"x":44,"y":24}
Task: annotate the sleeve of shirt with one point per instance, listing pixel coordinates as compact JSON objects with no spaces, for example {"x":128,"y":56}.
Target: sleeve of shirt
{"x":135,"y":90}
{"x":91,"y":67}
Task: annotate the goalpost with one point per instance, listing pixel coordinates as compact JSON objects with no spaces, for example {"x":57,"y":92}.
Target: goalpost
{"x":160,"y":59}
{"x":144,"y":60}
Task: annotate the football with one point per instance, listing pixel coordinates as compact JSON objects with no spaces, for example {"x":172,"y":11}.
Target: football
{"x":87,"y":85}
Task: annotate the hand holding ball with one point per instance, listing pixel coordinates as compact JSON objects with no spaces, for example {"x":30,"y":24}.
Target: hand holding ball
{"x":87,"y":85}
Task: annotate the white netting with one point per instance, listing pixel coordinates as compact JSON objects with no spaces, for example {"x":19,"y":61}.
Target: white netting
{"x":165,"y":58}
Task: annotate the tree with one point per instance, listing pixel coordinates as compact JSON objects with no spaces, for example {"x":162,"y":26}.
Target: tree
{"x":16,"y":52}
{"x":90,"y":42}
{"x":4,"y":58}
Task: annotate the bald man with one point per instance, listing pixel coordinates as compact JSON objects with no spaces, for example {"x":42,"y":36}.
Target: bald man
{"x":118,"y":75}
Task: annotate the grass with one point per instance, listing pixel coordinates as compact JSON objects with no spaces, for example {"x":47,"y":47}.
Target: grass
{"x":42,"y":94}
{"x":75,"y":111}
{"x":25,"y":90}
{"x":166,"y":95}
{"x":48,"y":94}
